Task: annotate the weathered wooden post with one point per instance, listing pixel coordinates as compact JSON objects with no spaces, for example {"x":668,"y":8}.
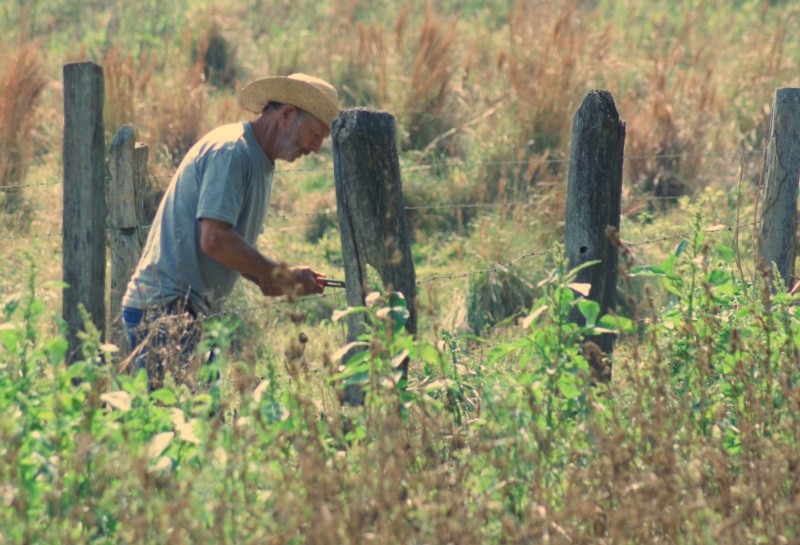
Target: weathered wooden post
{"x":84,"y":214}
{"x":126,"y":195}
{"x":372,"y":218}
{"x":594,"y":200}
{"x":781,"y":176}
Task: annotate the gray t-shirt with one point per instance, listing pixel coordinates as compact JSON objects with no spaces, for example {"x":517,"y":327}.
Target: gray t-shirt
{"x":226,"y":176}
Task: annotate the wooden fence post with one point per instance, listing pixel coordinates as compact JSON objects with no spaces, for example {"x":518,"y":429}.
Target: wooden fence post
{"x":128,"y":163}
{"x":371,"y":210}
{"x":594,"y":200}
{"x":779,"y":195}
{"x":84,"y":214}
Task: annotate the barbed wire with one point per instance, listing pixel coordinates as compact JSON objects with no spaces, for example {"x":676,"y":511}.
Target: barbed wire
{"x":40,"y":235}
{"x":12,"y":188}
{"x":683,"y":234}
{"x":659,"y":238}
{"x":559,"y":157}
{"x":333,"y":211}
{"x":453,"y":206}
{"x":467,"y":274}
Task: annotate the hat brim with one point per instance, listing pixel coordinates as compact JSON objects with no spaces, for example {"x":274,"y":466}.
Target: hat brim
{"x":290,"y":90}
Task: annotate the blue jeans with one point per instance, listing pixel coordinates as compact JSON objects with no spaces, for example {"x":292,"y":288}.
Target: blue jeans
{"x":162,"y":338}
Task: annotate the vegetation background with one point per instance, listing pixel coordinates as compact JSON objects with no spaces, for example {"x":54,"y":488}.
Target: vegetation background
{"x":501,"y":435}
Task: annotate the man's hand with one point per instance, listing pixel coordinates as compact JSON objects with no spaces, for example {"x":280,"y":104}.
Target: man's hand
{"x":291,"y":281}
{"x":220,"y":241}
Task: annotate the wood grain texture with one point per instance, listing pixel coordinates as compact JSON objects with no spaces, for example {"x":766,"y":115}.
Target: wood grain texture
{"x":594,"y":199}
{"x":84,"y":199}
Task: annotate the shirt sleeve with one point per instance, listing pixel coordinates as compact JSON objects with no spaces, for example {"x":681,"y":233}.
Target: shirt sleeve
{"x":222,"y":187}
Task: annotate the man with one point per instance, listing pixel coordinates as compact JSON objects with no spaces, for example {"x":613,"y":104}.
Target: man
{"x":204,"y":233}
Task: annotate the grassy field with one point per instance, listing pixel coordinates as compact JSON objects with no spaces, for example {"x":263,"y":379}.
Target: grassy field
{"x":502,"y":434}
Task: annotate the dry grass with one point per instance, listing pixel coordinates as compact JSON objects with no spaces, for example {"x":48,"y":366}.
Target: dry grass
{"x":179,"y":106}
{"x":22,"y":81}
{"x":547,"y":70}
{"x":427,"y":106}
{"x":128,"y":83}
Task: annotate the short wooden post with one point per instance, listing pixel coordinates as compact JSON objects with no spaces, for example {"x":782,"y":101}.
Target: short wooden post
{"x":779,"y":195}
{"x":128,"y":163}
{"x":371,"y":210}
{"x":84,"y":214}
{"x":594,"y":199}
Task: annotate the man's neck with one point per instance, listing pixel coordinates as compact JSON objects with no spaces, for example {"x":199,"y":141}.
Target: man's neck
{"x":265,"y":128}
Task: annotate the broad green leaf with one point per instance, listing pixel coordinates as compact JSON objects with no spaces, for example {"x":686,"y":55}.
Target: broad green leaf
{"x":718,"y":277}
{"x":360,"y":378}
{"x":647,"y":270}
{"x":9,"y":336}
{"x":499,"y":352}
{"x":397,"y":315}
{"x":669,"y":264}
{"x":725,"y":252}
{"x":589,"y":309}
{"x":672,"y":288}
{"x":428,"y":353}
{"x":564,"y":296}
{"x":620,"y":323}
{"x":397,"y":299}
{"x":56,"y":349}
{"x":165,"y":396}
{"x":58,"y":284}
{"x":11,"y":305}
{"x":567,"y":385}
{"x":357,"y":364}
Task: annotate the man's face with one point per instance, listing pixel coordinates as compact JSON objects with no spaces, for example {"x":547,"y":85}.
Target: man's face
{"x":302,"y":134}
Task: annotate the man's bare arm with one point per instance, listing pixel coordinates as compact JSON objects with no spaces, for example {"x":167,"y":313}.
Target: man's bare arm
{"x":225,"y":245}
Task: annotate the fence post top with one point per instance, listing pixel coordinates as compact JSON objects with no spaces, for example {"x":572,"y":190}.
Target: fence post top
{"x":69,"y":66}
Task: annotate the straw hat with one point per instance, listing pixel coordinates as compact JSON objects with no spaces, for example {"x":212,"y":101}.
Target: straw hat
{"x":316,"y":96}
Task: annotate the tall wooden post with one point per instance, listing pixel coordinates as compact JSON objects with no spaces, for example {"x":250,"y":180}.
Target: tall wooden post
{"x":371,"y":210}
{"x":84,"y":215}
{"x":594,"y":199}
{"x":779,"y":196}
{"x":128,"y":164}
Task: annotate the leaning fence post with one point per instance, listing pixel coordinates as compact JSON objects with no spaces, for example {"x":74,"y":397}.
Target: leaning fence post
{"x":128,"y":164}
{"x":84,"y":211}
{"x":779,"y":196}
{"x":593,"y":199}
{"x":371,"y":210}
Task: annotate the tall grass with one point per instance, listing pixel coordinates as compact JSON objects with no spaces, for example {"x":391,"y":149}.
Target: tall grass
{"x":22,"y":80}
{"x":127,"y":84}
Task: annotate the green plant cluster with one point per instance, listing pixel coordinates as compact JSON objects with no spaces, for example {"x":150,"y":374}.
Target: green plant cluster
{"x":694,"y":441}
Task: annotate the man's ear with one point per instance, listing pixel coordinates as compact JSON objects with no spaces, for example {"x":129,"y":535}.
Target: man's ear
{"x":287,"y":112}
